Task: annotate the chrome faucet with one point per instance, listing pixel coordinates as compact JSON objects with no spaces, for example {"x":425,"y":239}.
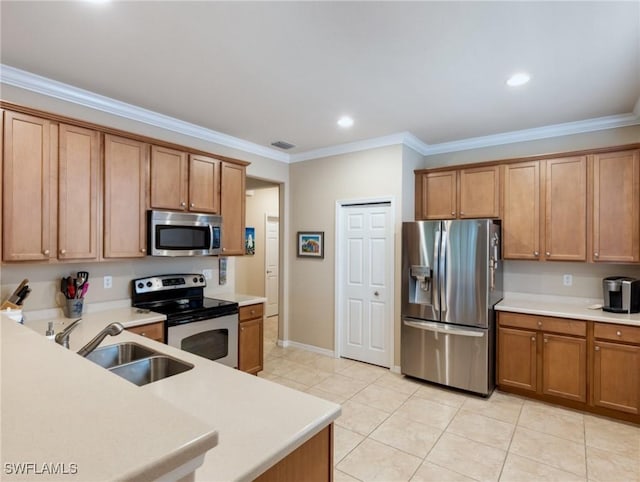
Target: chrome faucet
{"x":112,"y":329}
{"x":62,"y":338}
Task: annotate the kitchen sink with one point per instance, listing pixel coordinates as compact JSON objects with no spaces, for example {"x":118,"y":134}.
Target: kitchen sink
{"x":151,"y":369}
{"x":119,"y":354}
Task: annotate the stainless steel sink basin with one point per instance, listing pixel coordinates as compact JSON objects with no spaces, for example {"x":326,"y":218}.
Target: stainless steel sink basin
{"x":119,"y":354}
{"x":151,"y":369}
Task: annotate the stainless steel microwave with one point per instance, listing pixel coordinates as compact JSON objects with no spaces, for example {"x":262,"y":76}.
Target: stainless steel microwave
{"x":183,"y":234}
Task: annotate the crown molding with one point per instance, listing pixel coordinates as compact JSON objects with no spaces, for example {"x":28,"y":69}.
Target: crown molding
{"x":555,"y":130}
{"x":405,"y":138}
{"x":52,"y":88}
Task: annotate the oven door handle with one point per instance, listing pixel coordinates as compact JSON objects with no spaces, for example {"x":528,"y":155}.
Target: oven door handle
{"x":443,"y":328}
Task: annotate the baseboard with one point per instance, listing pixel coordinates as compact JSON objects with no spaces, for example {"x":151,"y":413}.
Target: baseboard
{"x":396,"y":369}
{"x":302,"y":346}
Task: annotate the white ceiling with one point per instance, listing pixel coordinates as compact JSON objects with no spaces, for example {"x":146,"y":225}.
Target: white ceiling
{"x":267,"y":71}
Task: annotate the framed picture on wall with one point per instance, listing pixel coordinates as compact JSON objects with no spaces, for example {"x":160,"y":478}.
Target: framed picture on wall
{"x":311,"y":244}
{"x":249,"y":240}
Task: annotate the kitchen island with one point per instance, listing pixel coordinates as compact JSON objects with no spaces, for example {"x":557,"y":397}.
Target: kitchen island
{"x":258,"y":423}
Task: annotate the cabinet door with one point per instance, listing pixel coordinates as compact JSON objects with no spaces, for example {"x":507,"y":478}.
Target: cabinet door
{"x":78,"y":191}
{"x":204,"y":184}
{"x":616,"y":376}
{"x":250,"y":346}
{"x":125,"y":183}
{"x":232,"y":208}
{"x":29,"y":188}
{"x":517,"y":366}
{"x":168,"y":178}
{"x":438,"y":195}
{"x":566,"y":209}
{"x":479,"y":192}
{"x":564,"y":367}
{"x":616,"y":206}
{"x":521,"y":227}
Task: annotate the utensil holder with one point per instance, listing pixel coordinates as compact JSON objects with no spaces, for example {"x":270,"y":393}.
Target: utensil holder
{"x":73,"y":308}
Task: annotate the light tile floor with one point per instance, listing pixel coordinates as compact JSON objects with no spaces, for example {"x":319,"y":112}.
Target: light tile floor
{"x":397,"y":429}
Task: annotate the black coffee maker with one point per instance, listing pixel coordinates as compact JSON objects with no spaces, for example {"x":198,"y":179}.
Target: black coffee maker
{"x":621,"y":294}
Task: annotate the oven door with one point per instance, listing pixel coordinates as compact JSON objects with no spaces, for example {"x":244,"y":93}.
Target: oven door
{"x":215,"y":338}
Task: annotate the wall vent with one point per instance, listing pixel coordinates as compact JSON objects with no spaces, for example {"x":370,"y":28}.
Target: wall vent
{"x":282,"y":145}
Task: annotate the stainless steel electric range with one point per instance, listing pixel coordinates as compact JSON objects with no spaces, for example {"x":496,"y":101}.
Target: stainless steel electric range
{"x":204,"y":326}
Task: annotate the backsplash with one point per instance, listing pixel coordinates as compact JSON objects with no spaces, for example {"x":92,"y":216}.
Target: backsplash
{"x":44,"y":280}
{"x":547,"y":277}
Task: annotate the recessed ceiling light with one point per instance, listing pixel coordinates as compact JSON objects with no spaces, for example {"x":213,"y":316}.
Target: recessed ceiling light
{"x":518,"y":79}
{"x":345,"y":121}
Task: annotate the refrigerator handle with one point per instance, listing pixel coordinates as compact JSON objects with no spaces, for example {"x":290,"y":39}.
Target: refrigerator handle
{"x":442,"y":278}
{"x":435,"y":285}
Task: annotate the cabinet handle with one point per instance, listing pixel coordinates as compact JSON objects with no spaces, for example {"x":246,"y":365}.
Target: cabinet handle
{"x":46,"y":252}
{"x":453,"y":213}
{"x":546,"y":340}
{"x":144,"y":333}
{"x":547,"y":253}
{"x":224,"y":249}
{"x":595,"y":255}
{"x":63,"y":251}
{"x":539,"y":323}
{"x":619,"y":333}
{"x":143,"y":250}
{"x":183,"y":204}
{"x":242,"y":329}
{"x":597,"y":348}
{"x":192,"y":205}
{"x":535,"y":253}
{"x":461,"y":213}
{"x":533,"y":338}
{"x":253,"y":312}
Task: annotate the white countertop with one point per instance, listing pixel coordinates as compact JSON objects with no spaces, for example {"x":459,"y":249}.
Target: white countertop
{"x":563,"y":307}
{"x":58,"y":408}
{"x":241,"y":299}
{"x":258,"y":422}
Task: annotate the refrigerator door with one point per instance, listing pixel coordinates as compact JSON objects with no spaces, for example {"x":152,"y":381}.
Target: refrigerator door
{"x":456,"y":356}
{"x":420,"y":245}
{"x":464,"y":271}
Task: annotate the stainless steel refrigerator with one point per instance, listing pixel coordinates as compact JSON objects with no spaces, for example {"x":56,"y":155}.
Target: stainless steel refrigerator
{"x":451,"y":280}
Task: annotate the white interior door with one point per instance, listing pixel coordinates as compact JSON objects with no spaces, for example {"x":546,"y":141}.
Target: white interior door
{"x":365,"y":294}
{"x":271,"y":260}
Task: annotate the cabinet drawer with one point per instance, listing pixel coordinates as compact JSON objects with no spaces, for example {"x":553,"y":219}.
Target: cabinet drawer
{"x":153,"y":331}
{"x":609,"y":331}
{"x":251,"y":311}
{"x":544,"y":323}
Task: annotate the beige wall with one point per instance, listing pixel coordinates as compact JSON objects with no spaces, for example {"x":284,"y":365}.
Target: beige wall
{"x":250,"y":270}
{"x":316,"y":187}
{"x":44,"y":279}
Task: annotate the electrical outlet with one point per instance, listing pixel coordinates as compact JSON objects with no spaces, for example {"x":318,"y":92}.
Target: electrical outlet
{"x":108,"y":282}
{"x":208,"y":273}
{"x":567,"y":280}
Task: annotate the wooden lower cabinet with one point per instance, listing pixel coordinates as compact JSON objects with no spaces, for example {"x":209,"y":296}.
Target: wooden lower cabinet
{"x":250,"y":338}
{"x":616,"y":368}
{"x":584,"y":365}
{"x":311,"y":462}
{"x":153,"y":331}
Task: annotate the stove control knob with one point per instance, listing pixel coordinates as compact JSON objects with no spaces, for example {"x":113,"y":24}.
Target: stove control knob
{"x":140,"y":285}
{"x":195,"y":279}
{"x":201,"y":279}
{"x":149,"y":284}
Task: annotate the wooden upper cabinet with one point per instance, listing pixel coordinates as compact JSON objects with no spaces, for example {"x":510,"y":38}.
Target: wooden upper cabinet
{"x":521,"y":227}
{"x":78,"y":193}
{"x":29,"y":188}
{"x":436,"y":195}
{"x":616,"y":206}
{"x":232,"y":208}
{"x":204,"y":184}
{"x":566,"y":209}
{"x":125,"y":184}
{"x":479,"y":192}
{"x":168,"y":178}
